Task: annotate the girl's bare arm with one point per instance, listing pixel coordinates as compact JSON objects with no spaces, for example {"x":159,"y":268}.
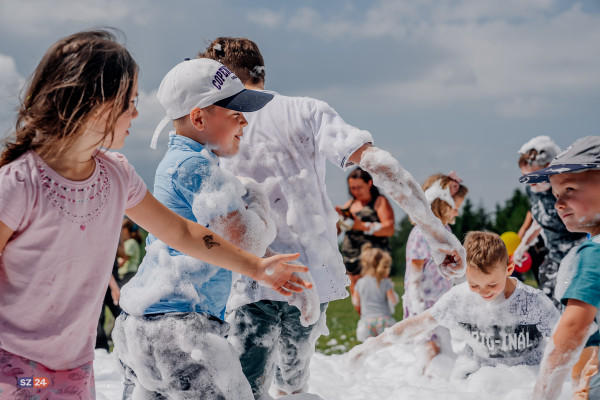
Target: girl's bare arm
{"x":197,"y":241}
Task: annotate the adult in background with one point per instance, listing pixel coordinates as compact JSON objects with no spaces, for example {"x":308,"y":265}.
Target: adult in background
{"x":373,"y":222}
{"x":130,"y":256}
{"x":111,"y":300}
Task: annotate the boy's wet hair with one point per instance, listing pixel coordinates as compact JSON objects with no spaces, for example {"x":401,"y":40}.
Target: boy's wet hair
{"x":485,"y":250}
{"x":240,"y":55}
{"x":76,"y":76}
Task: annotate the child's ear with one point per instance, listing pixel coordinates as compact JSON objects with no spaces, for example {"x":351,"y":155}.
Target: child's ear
{"x":510,"y":268}
{"x":197,"y":118}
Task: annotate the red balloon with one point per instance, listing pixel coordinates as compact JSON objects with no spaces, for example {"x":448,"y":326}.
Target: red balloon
{"x":525,"y":265}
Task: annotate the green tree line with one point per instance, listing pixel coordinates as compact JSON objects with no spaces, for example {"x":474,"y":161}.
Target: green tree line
{"x":508,"y":217}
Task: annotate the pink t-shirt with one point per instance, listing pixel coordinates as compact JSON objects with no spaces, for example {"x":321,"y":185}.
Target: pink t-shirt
{"x":54,"y":270}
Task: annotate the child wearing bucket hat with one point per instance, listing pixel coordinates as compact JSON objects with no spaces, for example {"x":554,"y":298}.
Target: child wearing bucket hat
{"x":171,"y":337}
{"x":575,"y":178}
{"x":542,"y":219}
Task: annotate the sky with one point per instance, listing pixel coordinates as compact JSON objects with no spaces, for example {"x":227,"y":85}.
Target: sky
{"x":441,"y":84}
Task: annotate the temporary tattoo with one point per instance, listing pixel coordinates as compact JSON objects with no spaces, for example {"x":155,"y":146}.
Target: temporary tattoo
{"x":209,"y":242}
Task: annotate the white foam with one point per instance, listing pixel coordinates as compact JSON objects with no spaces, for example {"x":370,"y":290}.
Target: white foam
{"x":393,"y":373}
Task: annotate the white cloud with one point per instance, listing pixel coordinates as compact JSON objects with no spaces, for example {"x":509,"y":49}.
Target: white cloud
{"x":266,"y":18}
{"x":529,"y":107}
{"x":42,"y":15}
{"x":11,"y":83}
{"x":491,"y":50}
{"x":407,"y":20}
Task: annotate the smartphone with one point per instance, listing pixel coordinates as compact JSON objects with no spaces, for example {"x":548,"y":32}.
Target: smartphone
{"x":346,"y":213}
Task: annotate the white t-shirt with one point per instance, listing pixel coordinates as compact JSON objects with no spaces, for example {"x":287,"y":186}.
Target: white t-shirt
{"x":285,"y":148}
{"x":503,"y":331}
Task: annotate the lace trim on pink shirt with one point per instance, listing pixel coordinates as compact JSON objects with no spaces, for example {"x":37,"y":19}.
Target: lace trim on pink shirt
{"x":77,"y":203}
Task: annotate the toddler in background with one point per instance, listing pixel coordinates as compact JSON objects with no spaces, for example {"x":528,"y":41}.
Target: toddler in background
{"x":374,"y":293}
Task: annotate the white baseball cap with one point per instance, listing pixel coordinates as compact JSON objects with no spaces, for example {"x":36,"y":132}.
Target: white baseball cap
{"x":202,"y":82}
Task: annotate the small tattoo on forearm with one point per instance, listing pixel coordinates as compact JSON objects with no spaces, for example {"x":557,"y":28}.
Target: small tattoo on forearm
{"x":209,"y":242}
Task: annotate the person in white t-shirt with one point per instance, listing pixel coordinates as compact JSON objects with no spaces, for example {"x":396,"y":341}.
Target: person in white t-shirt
{"x":500,"y":319}
{"x":286,"y":147}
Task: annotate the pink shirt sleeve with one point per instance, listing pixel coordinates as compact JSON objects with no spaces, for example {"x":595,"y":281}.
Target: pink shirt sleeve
{"x":15,"y":196}
{"x":137,"y":188}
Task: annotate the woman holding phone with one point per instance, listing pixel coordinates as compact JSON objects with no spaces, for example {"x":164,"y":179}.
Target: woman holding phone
{"x":368,"y":218}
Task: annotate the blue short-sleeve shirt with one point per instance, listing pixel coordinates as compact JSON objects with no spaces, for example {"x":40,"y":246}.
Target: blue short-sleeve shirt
{"x":585,"y":284}
{"x":190,"y":182}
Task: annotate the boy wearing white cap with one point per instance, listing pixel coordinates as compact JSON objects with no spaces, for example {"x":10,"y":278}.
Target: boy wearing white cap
{"x":295,"y":137}
{"x":171,"y":337}
{"x":575,"y":178}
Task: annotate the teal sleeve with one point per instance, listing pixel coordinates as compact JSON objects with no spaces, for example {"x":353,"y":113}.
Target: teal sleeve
{"x":585,"y":286}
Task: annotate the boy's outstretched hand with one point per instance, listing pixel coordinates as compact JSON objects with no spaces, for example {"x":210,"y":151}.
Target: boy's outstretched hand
{"x":453,"y":263}
{"x":274,"y":272}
